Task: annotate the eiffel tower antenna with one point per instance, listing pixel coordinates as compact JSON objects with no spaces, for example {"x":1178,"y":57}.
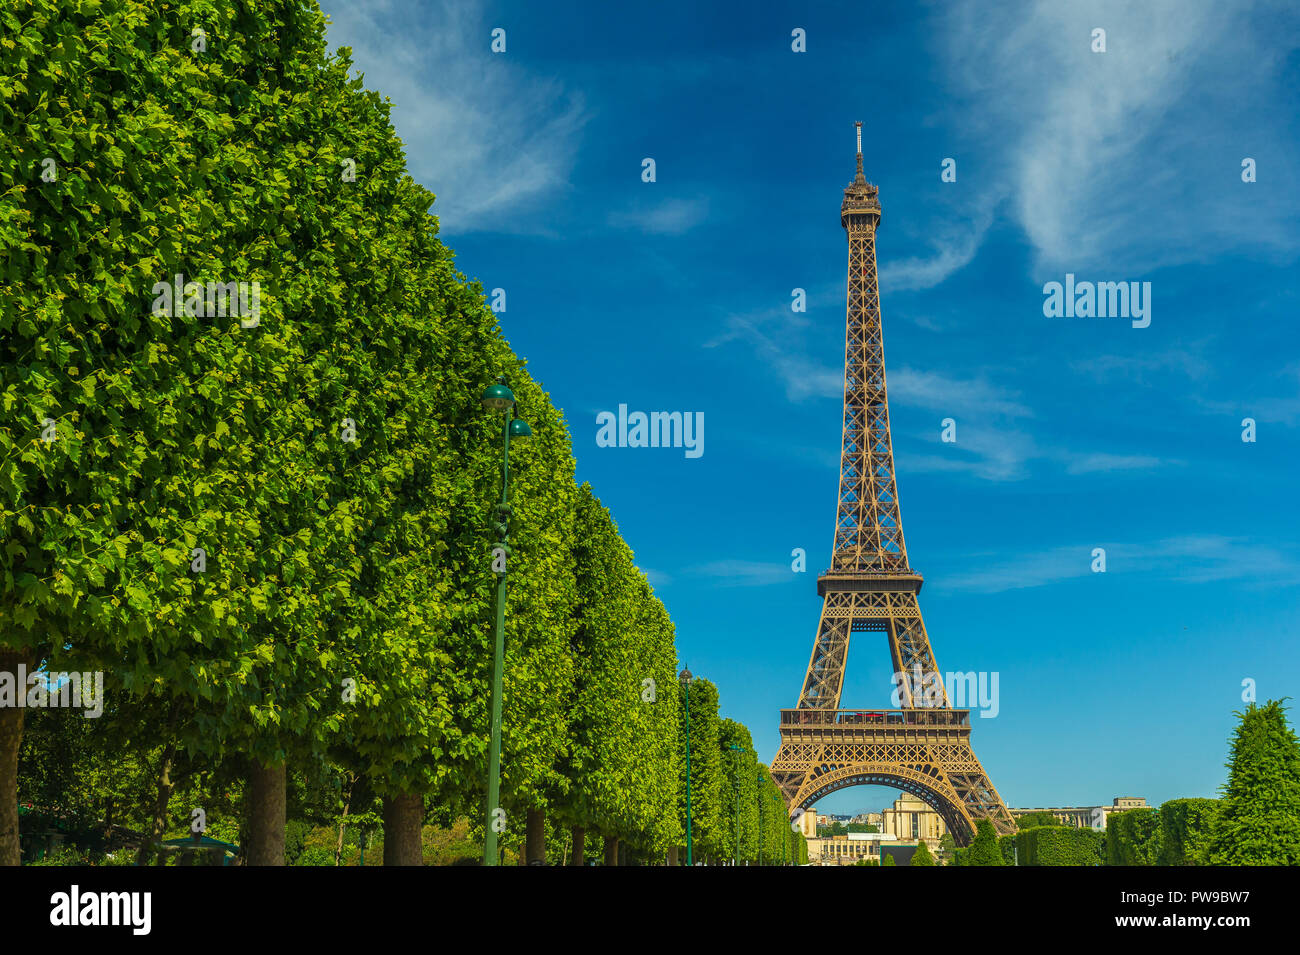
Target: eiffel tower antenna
{"x":870,"y":588}
{"x":859,"y":175}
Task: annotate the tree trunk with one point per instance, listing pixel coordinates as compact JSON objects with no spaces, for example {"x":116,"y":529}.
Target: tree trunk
{"x":403,"y":827}
{"x":579,"y":846}
{"x":159,"y":823}
{"x":266,"y":814}
{"x":672,"y":855}
{"x":11,"y":738}
{"x":611,"y":850}
{"x":535,"y":827}
{"x":343,"y":822}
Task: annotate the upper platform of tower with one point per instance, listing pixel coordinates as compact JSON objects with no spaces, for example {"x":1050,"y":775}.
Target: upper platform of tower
{"x":861,"y":198}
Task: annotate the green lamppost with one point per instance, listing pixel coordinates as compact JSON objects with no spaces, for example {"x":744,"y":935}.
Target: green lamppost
{"x":499,"y":397}
{"x":685,"y":678}
{"x":736,"y":860}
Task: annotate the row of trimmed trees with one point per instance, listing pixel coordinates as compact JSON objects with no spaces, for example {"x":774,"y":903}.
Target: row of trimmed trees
{"x":268,"y":523}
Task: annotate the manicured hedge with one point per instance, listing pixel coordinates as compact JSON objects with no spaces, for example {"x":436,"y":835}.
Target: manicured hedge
{"x":1185,"y":826}
{"x":1008,"y":846}
{"x":1059,"y":845}
{"x":1133,"y":837}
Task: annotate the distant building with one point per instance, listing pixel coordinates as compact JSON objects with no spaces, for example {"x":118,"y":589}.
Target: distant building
{"x":911,"y":820}
{"x":808,"y":824}
{"x":847,"y":850}
{"x":1087,"y":817}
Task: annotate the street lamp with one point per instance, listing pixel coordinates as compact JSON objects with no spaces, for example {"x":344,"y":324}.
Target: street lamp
{"x":499,"y":397}
{"x":685,"y":679}
{"x":736,"y":860}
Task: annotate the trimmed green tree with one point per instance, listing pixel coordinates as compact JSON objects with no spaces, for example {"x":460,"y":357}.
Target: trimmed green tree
{"x":983,"y":849}
{"x":1259,"y":823}
{"x":1185,"y":829}
{"x":1133,"y":837}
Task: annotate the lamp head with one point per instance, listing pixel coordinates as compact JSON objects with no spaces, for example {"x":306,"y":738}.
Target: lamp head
{"x":498,"y":397}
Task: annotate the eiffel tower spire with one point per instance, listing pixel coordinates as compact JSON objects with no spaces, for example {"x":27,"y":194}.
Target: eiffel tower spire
{"x":924,"y":747}
{"x":868,"y":526}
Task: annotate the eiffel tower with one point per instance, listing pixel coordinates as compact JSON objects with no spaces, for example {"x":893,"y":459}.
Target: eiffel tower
{"x":923,"y":748}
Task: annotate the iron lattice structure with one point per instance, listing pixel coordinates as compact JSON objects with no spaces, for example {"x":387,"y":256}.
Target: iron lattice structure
{"x":870,"y":587}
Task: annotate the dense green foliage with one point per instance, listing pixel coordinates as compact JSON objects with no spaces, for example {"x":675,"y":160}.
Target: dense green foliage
{"x":266,"y":519}
{"x":1007,"y":846}
{"x":1133,"y":837}
{"x":1059,"y":845}
{"x":1031,"y":819}
{"x":1185,"y":828}
{"x":1259,"y":822}
{"x":710,"y":800}
{"x":983,"y":849}
{"x":922,"y":855}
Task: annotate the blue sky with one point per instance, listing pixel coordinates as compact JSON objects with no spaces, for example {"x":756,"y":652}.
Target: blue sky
{"x":1072,"y":433}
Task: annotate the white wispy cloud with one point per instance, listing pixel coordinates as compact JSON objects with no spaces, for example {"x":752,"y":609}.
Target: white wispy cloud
{"x":989,"y":453}
{"x":1101,"y":462}
{"x":775,"y":335}
{"x":993,"y":442}
{"x":965,"y":396}
{"x":955,"y":248}
{"x":490,"y":138}
{"x":1093,"y":143}
{"x":656,"y":578}
{"x":1188,"y":362}
{"x":671,"y":217}
{"x":1193,"y":559}
{"x":1276,"y":409}
{"x":744,"y":573}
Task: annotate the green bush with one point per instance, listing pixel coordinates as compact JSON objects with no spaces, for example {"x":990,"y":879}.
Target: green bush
{"x":315,"y":855}
{"x":1007,"y":846}
{"x":922,"y":856}
{"x":1133,"y":837}
{"x":64,"y":855}
{"x":1185,"y":827}
{"x":984,"y":848}
{"x":1060,"y":845}
{"x":295,"y":836}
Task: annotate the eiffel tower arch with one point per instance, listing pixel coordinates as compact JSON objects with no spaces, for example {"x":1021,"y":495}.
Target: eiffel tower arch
{"x":924,"y":747}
